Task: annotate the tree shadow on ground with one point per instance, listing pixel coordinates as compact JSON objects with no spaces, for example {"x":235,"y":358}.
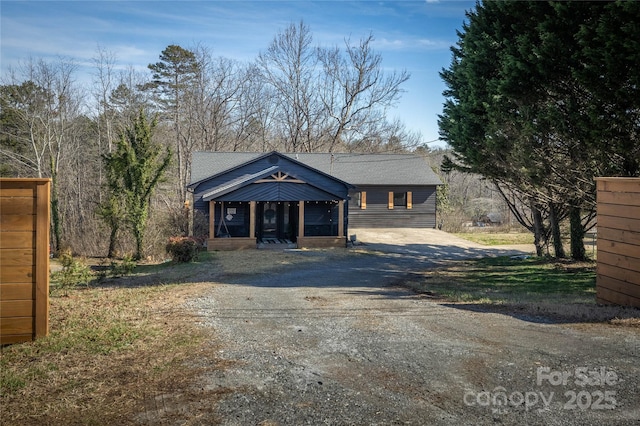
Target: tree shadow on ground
{"x":440,"y":252}
{"x":365,"y":265}
{"x":372,"y":270}
{"x":572,"y":313}
{"x":160,"y":274}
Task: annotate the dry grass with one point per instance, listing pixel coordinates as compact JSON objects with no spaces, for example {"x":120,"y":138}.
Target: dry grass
{"x":489,"y":237}
{"x":626,"y":322}
{"x":110,"y":352}
{"x":255,"y":261}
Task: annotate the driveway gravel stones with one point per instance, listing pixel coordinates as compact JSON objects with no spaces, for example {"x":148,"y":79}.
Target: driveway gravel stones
{"x":338,"y":342}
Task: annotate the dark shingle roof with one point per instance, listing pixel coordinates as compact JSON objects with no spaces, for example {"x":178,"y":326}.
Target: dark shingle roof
{"x":207,"y":164}
{"x":354,"y":168}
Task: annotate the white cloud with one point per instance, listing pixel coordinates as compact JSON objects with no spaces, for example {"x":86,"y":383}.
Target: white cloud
{"x":411,"y":43}
{"x":386,"y":44}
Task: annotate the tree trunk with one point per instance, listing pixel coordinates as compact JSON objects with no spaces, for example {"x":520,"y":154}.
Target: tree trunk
{"x":578,"y":251}
{"x":138,"y":254}
{"x":113,"y":238}
{"x":55,"y":210}
{"x":538,"y":231}
{"x":558,"y":249}
{"x":139,"y":225}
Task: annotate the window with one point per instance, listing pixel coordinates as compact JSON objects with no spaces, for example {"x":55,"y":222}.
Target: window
{"x":232,"y":219}
{"x":400,"y":199}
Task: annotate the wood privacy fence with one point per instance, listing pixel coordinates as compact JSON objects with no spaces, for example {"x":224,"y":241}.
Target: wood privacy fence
{"x":24,"y":259}
{"x":618,"y":271}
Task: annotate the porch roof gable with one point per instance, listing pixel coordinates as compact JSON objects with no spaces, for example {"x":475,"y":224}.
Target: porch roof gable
{"x":291,"y":178}
{"x":236,"y":184}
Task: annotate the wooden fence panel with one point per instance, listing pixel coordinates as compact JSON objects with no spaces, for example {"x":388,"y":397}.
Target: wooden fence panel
{"x":24,"y":259}
{"x":613,"y":222}
{"x":618,"y":272}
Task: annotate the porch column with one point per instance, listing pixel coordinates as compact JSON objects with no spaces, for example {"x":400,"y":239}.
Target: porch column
{"x":341,"y":218}
{"x":212,"y":219}
{"x":252,"y":219}
{"x":301,"y":219}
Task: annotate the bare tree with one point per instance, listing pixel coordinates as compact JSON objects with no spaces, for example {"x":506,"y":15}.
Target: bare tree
{"x":257,"y":112}
{"x":44,"y":106}
{"x":288,"y":67}
{"x":213,"y":100}
{"x":127,"y":98}
{"x":80,"y":189}
{"x":104,"y":80}
{"x":356,"y":88}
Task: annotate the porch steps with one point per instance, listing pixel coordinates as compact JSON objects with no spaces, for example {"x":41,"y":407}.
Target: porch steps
{"x":276,"y":244}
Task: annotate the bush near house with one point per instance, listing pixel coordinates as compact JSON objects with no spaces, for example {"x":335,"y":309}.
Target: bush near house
{"x":183,"y":249}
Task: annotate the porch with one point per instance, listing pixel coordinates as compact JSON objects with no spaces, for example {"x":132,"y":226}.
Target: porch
{"x":276,"y":224}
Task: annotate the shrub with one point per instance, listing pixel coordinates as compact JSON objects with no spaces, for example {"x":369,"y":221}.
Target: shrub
{"x":74,"y":272}
{"x":183,"y":249}
{"x":123,"y":268}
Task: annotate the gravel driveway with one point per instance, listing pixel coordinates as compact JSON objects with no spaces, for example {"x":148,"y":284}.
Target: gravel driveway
{"x":338,"y":343}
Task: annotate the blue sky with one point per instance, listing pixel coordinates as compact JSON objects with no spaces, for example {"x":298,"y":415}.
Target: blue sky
{"x":411,"y":35}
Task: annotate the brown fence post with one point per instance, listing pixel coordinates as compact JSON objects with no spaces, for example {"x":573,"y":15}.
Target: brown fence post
{"x":43,"y":196}
{"x":24,"y":259}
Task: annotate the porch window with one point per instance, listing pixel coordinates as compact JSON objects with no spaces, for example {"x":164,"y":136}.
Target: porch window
{"x":321,"y":219}
{"x":231,"y":219}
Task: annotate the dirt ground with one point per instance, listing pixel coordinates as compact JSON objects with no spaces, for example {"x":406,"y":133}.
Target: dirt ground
{"x":340,"y":341}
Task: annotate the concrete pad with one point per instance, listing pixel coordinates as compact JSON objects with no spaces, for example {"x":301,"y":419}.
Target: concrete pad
{"x":433,"y":244}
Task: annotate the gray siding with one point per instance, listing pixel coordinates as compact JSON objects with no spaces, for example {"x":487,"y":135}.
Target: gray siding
{"x":378,"y":215}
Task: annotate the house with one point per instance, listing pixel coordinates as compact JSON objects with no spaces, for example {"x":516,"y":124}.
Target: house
{"x":308,"y":199}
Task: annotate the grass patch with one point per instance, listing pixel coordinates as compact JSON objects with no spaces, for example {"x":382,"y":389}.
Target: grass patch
{"x":559,"y":290}
{"x":502,"y":279}
{"x":497,"y":238}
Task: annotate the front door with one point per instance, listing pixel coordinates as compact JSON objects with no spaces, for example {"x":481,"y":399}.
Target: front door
{"x":270,"y":220}
{"x":276,"y":220}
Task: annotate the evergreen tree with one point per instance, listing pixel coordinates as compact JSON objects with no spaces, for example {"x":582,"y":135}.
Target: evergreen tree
{"x":542,"y":97}
{"x":173,"y":77}
{"x":135,"y":168}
